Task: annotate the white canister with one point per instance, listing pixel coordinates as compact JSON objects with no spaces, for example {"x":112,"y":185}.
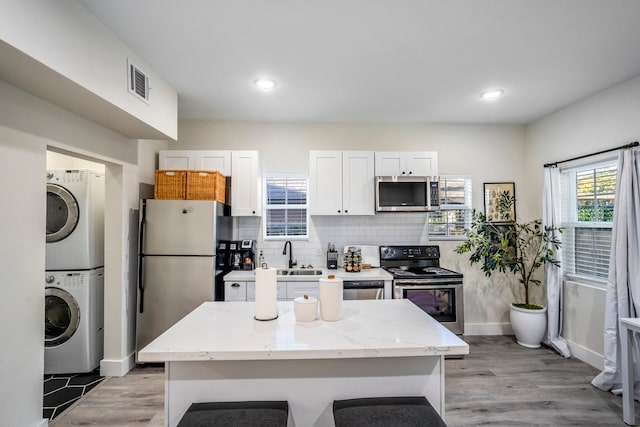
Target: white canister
{"x":305,"y":308}
{"x":330,"y":298}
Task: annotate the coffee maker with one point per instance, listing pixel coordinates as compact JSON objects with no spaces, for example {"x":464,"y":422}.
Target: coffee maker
{"x":241,"y":254}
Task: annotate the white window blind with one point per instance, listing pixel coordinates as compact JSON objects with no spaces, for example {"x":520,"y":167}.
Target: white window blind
{"x":454,"y":215}
{"x":588,"y":199}
{"x":286,"y":209}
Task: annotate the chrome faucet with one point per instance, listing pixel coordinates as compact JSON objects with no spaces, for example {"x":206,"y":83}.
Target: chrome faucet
{"x":284,"y":252}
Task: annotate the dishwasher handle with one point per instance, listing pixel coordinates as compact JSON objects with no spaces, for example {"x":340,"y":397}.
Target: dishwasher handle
{"x":363,"y":284}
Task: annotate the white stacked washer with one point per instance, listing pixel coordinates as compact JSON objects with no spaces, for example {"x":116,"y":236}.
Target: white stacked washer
{"x":74,"y":277}
{"x":74,"y":321}
{"x":75,"y":220}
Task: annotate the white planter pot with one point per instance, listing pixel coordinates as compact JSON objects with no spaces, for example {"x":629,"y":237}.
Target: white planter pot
{"x":529,"y":326}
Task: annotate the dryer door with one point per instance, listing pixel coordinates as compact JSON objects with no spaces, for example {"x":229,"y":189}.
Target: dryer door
{"x":62,"y":213}
{"x":61,"y":316}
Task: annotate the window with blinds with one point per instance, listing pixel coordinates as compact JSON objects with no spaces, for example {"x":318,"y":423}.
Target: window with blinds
{"x":454,"y":215}
{"x":286,"y":209}
{"x":587,"y":219}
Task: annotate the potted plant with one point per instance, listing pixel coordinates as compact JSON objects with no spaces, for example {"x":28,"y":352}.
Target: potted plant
{"x":519,"y":248}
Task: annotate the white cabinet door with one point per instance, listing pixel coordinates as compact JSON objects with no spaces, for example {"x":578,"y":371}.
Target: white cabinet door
{"x":358,"y":188}
{"x":325,"y":182}
{"x":399,"y":163}
{"x":389,"y":163}
{"x":210,"y":160}
{"x":341,"y":183}
{"x":281,"y":291}
{"x":245,"y":184}
{"x":176,"y":159}
{"x":299,"y":289}
{"x":235,"y":291}
{"x":422,"y":163}
{"x":213,"y":161}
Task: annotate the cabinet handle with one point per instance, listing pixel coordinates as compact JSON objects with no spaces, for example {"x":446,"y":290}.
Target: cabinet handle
{"x":235,"y":285}
{"x":254,"y":212}
{"x":410,"y":172}
{"x":346,"y":211}
{"x":338,"y":210}
{"x":403,"y":172}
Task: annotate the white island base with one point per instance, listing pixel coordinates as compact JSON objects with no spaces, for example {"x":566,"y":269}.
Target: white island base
{"x":378,"y":348}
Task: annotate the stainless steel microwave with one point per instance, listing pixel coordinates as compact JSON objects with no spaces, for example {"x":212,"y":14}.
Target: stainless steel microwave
{"x":407,"y":193}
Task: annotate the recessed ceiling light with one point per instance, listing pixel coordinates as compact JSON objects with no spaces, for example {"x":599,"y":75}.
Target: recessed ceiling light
{"x":265,"y":84}
{"x":492,"y":94}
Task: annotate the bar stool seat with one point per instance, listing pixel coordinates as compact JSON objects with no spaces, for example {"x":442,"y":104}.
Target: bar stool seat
{"x":386,"y":411}
{"x":233,"y":414}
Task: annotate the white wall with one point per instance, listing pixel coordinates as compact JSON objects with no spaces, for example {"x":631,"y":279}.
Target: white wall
{"x":486,"y":153}
{"x":605,"y":120}
{"x":66,"y":38}
{"x":28,"y":127}
{"x":64,"y":161}
{"x":22,"y":267}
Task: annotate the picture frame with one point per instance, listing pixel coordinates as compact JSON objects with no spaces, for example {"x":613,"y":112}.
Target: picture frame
{"x":491,"y":192}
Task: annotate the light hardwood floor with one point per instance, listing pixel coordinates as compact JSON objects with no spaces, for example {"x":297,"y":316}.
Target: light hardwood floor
{"x":498,"y":384}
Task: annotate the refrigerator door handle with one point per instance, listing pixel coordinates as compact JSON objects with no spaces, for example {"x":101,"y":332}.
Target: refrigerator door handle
{"x":141,"y":260}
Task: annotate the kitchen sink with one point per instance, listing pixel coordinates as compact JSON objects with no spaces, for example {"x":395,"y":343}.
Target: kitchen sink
{"x":299,"y":272}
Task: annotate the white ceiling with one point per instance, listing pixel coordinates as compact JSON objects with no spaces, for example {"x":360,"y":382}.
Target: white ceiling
{"x":420,"y":61}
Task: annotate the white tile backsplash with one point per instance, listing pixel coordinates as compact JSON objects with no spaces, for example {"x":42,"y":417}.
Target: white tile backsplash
{"x":406,"y":228}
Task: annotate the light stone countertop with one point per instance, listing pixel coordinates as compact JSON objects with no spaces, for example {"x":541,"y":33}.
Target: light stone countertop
{"x":367,"y":328}
{"x":365,"y":274}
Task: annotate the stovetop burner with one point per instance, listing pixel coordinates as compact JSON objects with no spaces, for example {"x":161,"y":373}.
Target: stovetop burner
{"x":414,"y":262}
{"x":421,"y":272}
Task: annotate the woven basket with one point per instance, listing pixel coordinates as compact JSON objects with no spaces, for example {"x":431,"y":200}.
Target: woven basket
{"x":206,"y":185}
{"x":170,"y":184}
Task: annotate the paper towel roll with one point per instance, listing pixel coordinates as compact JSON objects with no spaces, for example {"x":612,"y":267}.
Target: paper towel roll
{"x":331,"y":290}
{"x":266,"y":294}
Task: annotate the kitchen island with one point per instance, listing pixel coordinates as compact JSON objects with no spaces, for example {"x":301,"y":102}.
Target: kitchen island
{"x":378,"y":348}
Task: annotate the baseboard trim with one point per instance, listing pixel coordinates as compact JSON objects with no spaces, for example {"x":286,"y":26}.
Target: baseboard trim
{"x":117,"y":368}
{"x":488,"y":329}
{"x":586,"y":355}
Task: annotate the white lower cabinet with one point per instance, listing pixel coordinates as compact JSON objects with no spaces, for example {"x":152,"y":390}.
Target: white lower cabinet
{"x":281,"y":291}
{"x":236,"y":291}
{"x":299,"y":289}
{"x":286,"y":291}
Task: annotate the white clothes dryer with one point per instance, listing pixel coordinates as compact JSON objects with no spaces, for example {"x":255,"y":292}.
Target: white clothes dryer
{"x":73,"y":321}
{"x":75,"y":220}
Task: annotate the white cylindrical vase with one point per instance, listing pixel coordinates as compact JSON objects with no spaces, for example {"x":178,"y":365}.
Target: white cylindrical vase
{"x":331,"y":290}
{"x":266,"y":294}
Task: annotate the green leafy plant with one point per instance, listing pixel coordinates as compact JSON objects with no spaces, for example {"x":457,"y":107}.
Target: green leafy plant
{"x":520,"y":248}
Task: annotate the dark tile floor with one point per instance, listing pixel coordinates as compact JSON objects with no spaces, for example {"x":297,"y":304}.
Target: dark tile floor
{"x":62,"y":390}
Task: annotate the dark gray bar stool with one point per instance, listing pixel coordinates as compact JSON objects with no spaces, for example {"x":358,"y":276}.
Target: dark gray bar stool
{"x":234,"y":414}
{"x":385,"y":412}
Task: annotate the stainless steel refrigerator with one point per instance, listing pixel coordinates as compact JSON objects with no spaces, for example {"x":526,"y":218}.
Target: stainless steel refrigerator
{"x":177,"y":261}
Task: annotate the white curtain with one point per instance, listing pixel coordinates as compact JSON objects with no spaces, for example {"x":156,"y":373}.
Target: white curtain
{"x":623,"y":283}
{"x":553,"y":274}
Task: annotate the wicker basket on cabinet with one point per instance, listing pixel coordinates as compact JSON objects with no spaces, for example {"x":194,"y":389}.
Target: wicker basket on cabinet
{"x":206,"y":185}
{"x":170,"y":184}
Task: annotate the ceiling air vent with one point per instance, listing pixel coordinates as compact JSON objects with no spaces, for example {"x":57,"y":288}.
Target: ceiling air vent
{"x":138,"y":82}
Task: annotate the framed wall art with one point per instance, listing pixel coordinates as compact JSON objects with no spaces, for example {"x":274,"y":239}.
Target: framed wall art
{"x":492,"y":192}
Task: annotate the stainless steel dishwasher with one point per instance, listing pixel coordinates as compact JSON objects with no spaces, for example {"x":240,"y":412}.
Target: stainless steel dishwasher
{"x":363,"y":289}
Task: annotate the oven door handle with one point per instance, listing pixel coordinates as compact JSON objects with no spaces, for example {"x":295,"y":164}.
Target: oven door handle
{"x":412,"y":285}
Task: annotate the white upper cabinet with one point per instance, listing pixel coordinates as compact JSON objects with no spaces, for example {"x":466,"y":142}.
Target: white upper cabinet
{"x":358,"y":183}
{"x":245,"y":184}
{"x":397,"y":163}
{"x":341,"y":183}
{"x":210,"y":160}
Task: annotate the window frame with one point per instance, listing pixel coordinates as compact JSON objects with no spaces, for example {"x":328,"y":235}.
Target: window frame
{"x":266,"y":206}
{"x":467,"y":208}
{"x":571,"y":224}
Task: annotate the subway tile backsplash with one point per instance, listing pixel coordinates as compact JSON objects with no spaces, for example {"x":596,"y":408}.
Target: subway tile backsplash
{"x":380,"y":229}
